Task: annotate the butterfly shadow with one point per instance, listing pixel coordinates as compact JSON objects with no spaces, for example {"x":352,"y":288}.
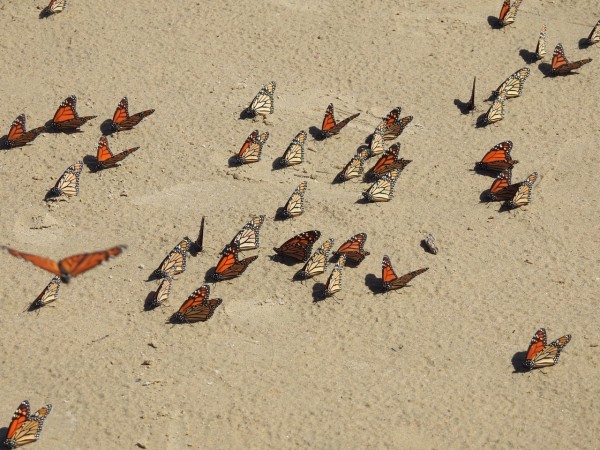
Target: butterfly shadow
{"x":481,"y":123}
{"x":517,"y":361}
{"x":210,"y":275}
{"x":148,"y":301}
{"x":247,"y":114}
{"x":494,"y":23}
{"x":484,"y":197}
{"x":464,"y":108}
{"x":278,"y":163}
{"x":91,"y":162}
{"x":49,"y":129}
{"x":279,"y":215}
{"x":546,"y":69}
{"x":485,"y":172}
{"x":106,"y":128}
{"x":234,"y":161}
{"x":318,"y":292}
{"x":316,"y":133}
{"x":285,"y":260}
{"x":528,"y":57}
{"x":44,"y":14}
{"x":4,"y":143}
{"x":373,"y":283}
{"x":363,"y":201}
{"x":583,"y":43}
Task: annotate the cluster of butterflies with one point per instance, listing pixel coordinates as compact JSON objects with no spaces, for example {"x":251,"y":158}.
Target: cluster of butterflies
{"x":498,"y":160}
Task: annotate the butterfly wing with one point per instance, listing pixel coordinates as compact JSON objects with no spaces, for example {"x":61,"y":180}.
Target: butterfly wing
{"x":523,"y":195}
{"x":377,"y":145}
{"x":294,"y":154}
{"x":561,"y":65}
{"x":229,"y":266}
{"x":403,"y":281}
{"x":54,"y":7}
{"x":330,"y":127}
{"x":541,"y":355}
{"x":536,"y":345}
{"x":105,"y":157}
{"x":19,"y":417}
{"x":318,"y":262}
{"x":354,"y":168}
{"x":195,"y":298}
{"x":300,"y":246}
{"x":68,"y":183}
{"x":395,"y":129}
{"x":504,"y":10}
{"x":199,"y":243}
{"x":513,"y":85}
{"x":540,"y":49}
{"x":595,"y":34}
{"x":334,"y":281}
{"x":78,"y":264}
{"x":18,"y":136}
{"x":48,"y":295}
{"x":29,"y":430}
{"x":295,"y":204}
{"x":353,"y":248}
{"x":197,"y":308}
{"x":248,"y":237}
{"x":251,"y":149}
{"x":44,"y":263}
{"x":496,"y":111}
{"x":383,"y":189}
{"x":175,"y":262}
{"x":497,"y":158}
{"x":66,"y":117}
{"x":162,"y":293}
{"x":263,"y":103}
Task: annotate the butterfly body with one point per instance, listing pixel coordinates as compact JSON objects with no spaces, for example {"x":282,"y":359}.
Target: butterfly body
{"x":18,"y":136}
{"x":105,"y":158}
{"x":263,"y":102}
{"x":391,"y":281}
{"x":66,"y":118}
{"x":198,"y":307}
{"x":24,"y":427}
{"x":329,"y":126}
{"x":561,"y":65}
{"x":123,"y":121}
{"x":251,"y":149}
{"x":541,"y":355}
{"x":230,"y":266}
{"x":299,"y":247}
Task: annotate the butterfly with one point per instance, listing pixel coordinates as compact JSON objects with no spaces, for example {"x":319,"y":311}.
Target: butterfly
{"x":355,"y":166}
{"x":496,"y":111}
{"x":71,"y":266}
{"x":391,"y":281}
{"x":330,"y":127}
{"x":377,"y":144}
{"x":523,"y":195}
{"x":508,"y":13}
{"x":122,"y":120}
{"x":497,"y":158}
{"x":68,"y":183}
{"x":230,"y":266}
{"x":387,"y":162}
{"x":66,"y":118}
{"x":513,"y":85}
{"x":318,"y":262}
{"x":541,"y":355}
{"x":334,"y":282}
{"x":294,"y":154}
{"x":175,"y":262}
{"x":501,"y":188}
{"x":248,"y":237}
{"x":197,"y":307}
{"x":54,"y":7}
{"x":252,"y":148}
{"x":383,"y":189}
{"x":394,"y":129}
{"x":353,"y":248}
{"x":162,"y":292}
{"x":295,"y":204}
{"x":594,"y":35}
{"x":471,"y":104}
{"x":560,"y":63}
{"x":300,"y":246}
{"x":198,"y":244}
{"x":25,"y":428}
{"x":48,"y":295}
{"x":540,"y":49}
{"x":105,"y":157}
{"x":18,"y":136}
{"x":262,"y":104}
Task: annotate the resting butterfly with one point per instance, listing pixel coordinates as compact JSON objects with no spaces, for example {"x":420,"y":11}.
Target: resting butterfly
{"x":389,"y":161}
{"x":48,"y":295}
{"x":295,"y":204}
{"x":383,"y":189}
{"x":471,"y":103}
{"x":496,"y":111}
{"x":498,"y":158}
{"x":394,"y":129}
{"x":68,"y":183}
{"x":318,"y":262}
{"x":513,"y":85}
{"x":25,"y":428}
{"x":334,"y":282}
{"x":560,"y":63}
{"x":175,"y":262}
{"x":355,"y":166}
{"x":122,"y":120}
{"x":66,"y":118}
{"x":230,"y":266}
{"x":523,"y":195}
{"x":377,"y":145}
{"x":294,"y":154}
{"x":391,"y":281}
{"x":162,"y":292}
{"x":501,"y":188}
{"x":262,"y":104}
{"x":54,"y":7}
{"x":18,"y":136}
{"x":300,"y":246}
{"x":248,"y":237}
{"x":353,"y":248}
{"x":595,"y":34}
{"x":198,"y":244}
{"x":541,"y":355}
{"x":197,"y":307}
{"x":252,"y":148}
{"x":330,"y":127}
{"x":105,"y":157}
{"x":508,"y":13}
{"x":540,"y":49}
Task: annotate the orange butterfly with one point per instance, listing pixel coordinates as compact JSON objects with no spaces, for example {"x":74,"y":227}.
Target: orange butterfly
{"x":66,"y":118}
{"x":252,"y":148}
{"x":122,"y":120}
{"x":541,"y":355}
{"x":18,"y":136}
{"x":389,"y":161}
{"x":353,"y":248}
{"x":391,"y":280}
{"x":497,"y":158}
{"x":300,"y":246}
{"x":395,"y":129}
{"x":25,"y":428}
{"x":230,"y":266}
{"x":73,"y":265}
{"x":560,"y":63}
{"x":330,"y":127}
{"x":105,"y":157}
{"x":508,"y":13}
{"x":501,"y":188}
{"x":197,"y":307}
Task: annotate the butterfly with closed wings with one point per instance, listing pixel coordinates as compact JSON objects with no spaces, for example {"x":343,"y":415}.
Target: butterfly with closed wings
{"x":508,"y":12}
{"x":387,"y":162}
{"x":198,"y":307}
{"x":122,"y":120}
{"x":498,"y":158}
{"x":66,"y":119}
{"x":334,"y":281}
{"x":318,"y":261}
{"x":175,"y":262}
{"x":355,"y":166}
{"x":24,"y":427}
{"x":18,"y":136}
{"x":48,"y":295}
{"x":263,"y":103}
{"x":251,"y":149}
{"x":513,"y":85}
{"x":383,"y":189}
{"x":294,"y":154}
{"x":230,"y":266}
{"x":248,"y":237}
{"x":330,"y":127}
{"x":68,"y":183}
{"x":299,"y":247}
{"x":353,"y":248}
{"x":295,"y":204}
{"x":162,"y":292}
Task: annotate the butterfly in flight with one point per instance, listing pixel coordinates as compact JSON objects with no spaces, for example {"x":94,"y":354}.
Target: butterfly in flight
{"x":251,"y":148}
{"x":54,"y":7}
{"x":594,"y":35}
{"x":330,"y":127}
{"x":300,"y":246}
{"x":561,"y":65}
{"x":263,"y":102}
{"x":162,"y":293}
{"x":334,"y":281}
{"x":71,"y":266}
{"x":391,"y":281}
{"x":295,"y":204}
{"x":294,"y":154}
{"x":24,"y":427}
{"x":383,"y":189}
{"x":513,"y":85}
{"x":318,"y":261}
{"x":230,"y":266}
{"x":508,"y":12}
{"x":498,"y":158}
{"x":539,"y":354}
{"x":18,"y":136}
{"x":198,"y":307}
{"x":248,"y":237}
{"x":68,"y":183}
{"x":122,"y":120}
{"x":105,"y":158}
{"x":523,"y":195}
{"x":48,"y":295}
{"x":175,"y":262}
{"x":353,"y":248}
{"x":540,"y":49}
{"x":387,"y":162}
{"x":66,"y":118}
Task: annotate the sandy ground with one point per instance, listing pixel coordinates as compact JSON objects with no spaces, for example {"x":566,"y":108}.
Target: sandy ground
{"x":430,"y":366}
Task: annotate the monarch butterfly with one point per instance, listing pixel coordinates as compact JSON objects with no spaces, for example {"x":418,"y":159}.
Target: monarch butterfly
{"x":318,"y":262}
{"x":198,"y":244}
{"x":508,"y":13}
{"x":54,"y":7}
{"x":197,"y":307}
{"x":540,"y":49}
{"x":560,"y":63}
{"x":395,"y":129}
{"x":252,"y":148}
{"x":66,"y":118}
{"x":353,"y":248}
{"x":383,"y":189}
{"x":300,"y":246}
{"x":18,"y":136}
{"x":162,"y":292}
{"x":248,"y":237}
{"x":48,"y":295}
{"x":175,"y":262}
{"x":262,"y":104}
{"x":496,"y":111}
{"x":68,"y":183}
{"x":334,"y":282}
{"x":122,"y":120}
{"x":295,"y":204}
{"x":377,"y":145}
{"x":229,"y":266}
{"x":391,"y":281}
{"x":71,"y":266}
{"x":330,"y":127}
{"x":501,"y":188}
{"x":471,"y":103}
{"x":497,"y":158}
{"x":595,"y":34}
{"x":513,"y":85}
{"x":294,"y":154}
{"x":523,"y":195}
{"x":389,"y":161}
{"x":25,"y":428}
{"x":541,"y":355}
{"x":355,"y":166}
{"x":105,"y":157}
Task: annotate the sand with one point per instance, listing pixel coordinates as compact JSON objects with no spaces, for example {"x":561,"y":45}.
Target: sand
{"x":430,"y":366}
